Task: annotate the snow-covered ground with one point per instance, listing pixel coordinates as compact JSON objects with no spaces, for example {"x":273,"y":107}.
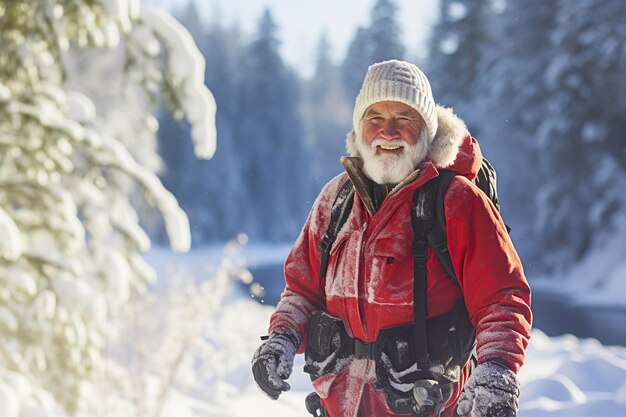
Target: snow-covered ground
{"x":563,"y":376}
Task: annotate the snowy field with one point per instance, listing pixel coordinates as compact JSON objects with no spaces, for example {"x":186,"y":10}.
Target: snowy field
{"x":563,"y":376}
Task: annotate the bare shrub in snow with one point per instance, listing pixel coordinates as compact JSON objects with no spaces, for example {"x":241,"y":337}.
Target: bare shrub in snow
{"x":169,"y":337}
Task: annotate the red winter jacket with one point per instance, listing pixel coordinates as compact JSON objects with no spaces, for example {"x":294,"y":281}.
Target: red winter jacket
{"x":369,"y":294}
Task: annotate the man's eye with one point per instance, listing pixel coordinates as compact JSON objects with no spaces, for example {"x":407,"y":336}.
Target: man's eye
{"x":376,"y":120}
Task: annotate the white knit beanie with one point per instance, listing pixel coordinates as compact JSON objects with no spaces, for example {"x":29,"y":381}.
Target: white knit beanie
{"x":396,"y":81}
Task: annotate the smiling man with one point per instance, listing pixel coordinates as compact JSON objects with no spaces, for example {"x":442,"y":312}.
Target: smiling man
{"x":393,"y":139}
{"x":396,"y":279}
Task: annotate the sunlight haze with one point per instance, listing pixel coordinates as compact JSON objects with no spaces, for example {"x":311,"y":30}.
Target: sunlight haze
{"x":300,"y":24}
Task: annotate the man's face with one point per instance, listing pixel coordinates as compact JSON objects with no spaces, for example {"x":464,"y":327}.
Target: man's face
{"x":394,"y":141}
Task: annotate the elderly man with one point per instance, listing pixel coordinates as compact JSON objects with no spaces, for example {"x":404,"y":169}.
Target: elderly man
{"x":387,"y":331}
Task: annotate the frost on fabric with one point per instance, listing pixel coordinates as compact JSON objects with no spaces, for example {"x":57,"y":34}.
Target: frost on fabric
{"x":400,"y":293}
{"x":186,"y":67}
{"x":301,"y":264}
{"x":494,"y":336}
{"x":320,"y":213}
{"x":343,"y":282}
{"x":374,"y":281}
{"x":490,"y":390}
{"x":276,"y":357}
{"x":293,"y":312}
{"x":323,"y":384}
{"x":359,"y":371}
{"x":271,"y":367}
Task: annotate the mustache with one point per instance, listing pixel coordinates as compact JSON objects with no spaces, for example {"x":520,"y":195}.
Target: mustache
{"x":394,"y":142}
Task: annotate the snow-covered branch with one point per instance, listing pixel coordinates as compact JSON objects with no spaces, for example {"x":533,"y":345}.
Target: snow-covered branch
{"x":72,"y":248}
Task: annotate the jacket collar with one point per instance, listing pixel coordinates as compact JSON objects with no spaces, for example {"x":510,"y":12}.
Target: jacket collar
{"x":363,"y":185}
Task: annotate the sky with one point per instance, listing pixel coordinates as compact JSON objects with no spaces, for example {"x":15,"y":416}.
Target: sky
{"x":301,"y":23}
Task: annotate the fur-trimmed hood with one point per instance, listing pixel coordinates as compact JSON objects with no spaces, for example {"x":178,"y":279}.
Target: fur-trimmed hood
{"x":444,"y":148}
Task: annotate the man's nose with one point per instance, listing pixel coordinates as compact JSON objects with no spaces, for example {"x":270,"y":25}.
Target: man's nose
{"x":389,"y":130}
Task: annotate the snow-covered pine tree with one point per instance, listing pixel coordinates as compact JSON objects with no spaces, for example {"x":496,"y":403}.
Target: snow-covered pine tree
{"x":71,"y":247}
{"x":224,"y":182}
{"x":512,"y":104}
{"x":385,"y":32}
{"x":327,"y":114}
{"x":356,"y":61}
{"x":325,"y":71}
{"x":581,"y":133}
{"x":180,"y":172}
{"x":457,"y":45}
{"x":270,"y":140}
{"x":379,"y":41}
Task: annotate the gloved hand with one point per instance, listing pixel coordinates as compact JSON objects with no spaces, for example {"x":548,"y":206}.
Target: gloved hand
{"x":389,"y":377}
{"x":398,"y":385}
{"x":272,"y":363}
{"x":491,"y":391}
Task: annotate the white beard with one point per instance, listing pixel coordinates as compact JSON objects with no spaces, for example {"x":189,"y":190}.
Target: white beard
{"x":390,"y":168}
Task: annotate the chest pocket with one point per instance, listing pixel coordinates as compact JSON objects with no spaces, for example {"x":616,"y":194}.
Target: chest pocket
{"x":390,"y":272}
{"x":338,"y":279}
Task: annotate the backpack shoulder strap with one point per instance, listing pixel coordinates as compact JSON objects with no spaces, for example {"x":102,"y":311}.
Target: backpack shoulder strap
{"x":422,"y":221}
{"x":339,"y":214}
{"x":437,"y":236}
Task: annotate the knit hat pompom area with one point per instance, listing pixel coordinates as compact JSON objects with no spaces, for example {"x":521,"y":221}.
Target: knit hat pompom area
{"x":398,"y":81}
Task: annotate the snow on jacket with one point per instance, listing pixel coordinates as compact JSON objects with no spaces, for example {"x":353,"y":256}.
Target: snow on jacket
{"x":369,"y":281}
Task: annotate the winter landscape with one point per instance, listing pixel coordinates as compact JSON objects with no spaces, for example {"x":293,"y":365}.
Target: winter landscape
{"x":563,"y":375}
{"x":157,"y":163}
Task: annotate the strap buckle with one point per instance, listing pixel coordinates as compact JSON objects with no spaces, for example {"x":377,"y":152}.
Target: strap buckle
{"x":363,"y":350}
{"x":419,"y":249}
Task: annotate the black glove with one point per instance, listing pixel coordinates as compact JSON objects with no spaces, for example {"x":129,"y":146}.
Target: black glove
{"x":388,"y":376}
{"x":272,"y":363}
{"x":491,"y":391}
{"x":398,"y":385}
